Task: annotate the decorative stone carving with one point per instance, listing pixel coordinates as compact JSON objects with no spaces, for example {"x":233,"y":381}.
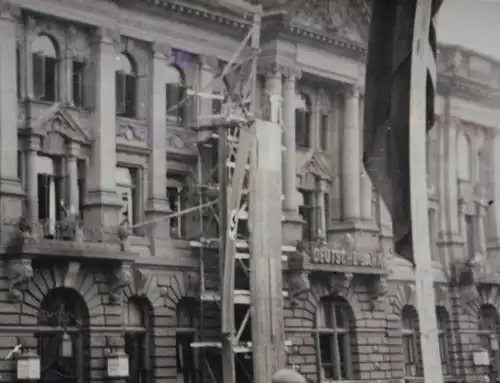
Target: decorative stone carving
{"x":120,"y":278}
{"x":334,"y":16}
{"x":316,"y":165}
{"x":297,"y":276}
{"x":78,"y":47}
{"x":180,"y":140}
{"x":379,"y":291}
{"x":19,"y":274}
{"x":131,"y":131}
{"x":341,"y":283}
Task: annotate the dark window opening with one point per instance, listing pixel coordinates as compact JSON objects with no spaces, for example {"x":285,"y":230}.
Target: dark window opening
{"x":307,"y":213}
{"x":78,"y":85}
{"x":324,"y":132}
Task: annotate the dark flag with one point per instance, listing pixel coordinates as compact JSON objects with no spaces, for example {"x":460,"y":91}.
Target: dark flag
{"x":386,"y":154}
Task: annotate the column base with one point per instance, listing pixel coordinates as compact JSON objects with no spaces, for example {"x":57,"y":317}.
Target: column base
{"x":100,"y":219}
{"x":158,"y":232}
{"x":292,"y":227}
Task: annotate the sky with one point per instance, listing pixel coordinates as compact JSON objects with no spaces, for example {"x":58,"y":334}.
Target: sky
{"x":473,"y":24}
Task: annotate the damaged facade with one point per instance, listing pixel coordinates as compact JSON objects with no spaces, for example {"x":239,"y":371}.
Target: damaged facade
{"x":87,"y":95}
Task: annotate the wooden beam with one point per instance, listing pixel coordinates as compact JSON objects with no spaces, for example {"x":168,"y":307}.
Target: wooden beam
{"x":426,"y":303}
{"x":265,"y":262}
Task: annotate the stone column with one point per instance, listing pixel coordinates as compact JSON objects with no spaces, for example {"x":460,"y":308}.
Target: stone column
{"x":157,"y":204}
{"x":481,"y":206}
{"x":102,"y":204}
{"x":274,"y":94}
{"x":208,"y":67}
{"x":33,"y":146}
{"x":289,"y":161}
{"x":351,"y":156}
{"x":293,"y":225}
{"x":10,"y":186}
{"x":73,"y":178}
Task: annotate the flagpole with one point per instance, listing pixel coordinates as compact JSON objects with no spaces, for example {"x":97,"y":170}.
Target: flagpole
{"x":424,"y":281}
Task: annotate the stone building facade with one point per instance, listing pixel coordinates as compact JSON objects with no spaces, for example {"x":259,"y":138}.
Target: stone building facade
{"x":90,"y":143}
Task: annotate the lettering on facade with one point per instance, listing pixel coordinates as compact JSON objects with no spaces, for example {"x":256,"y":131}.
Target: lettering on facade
{"x":327,"y":256}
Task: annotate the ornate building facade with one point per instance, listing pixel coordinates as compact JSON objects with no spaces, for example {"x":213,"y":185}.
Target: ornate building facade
{"x":91,"y":142}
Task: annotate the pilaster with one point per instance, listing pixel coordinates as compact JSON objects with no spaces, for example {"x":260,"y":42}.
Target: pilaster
{"x":292,"y":226}
{"x":157,"y":204}
{"x":11,"y":192}
{"x":102,"y":203}
{"x":74,"y":149}
{"x":351,"y":155}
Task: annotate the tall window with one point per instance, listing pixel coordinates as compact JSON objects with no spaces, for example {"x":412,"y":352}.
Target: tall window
{"x":175,"y":94}
{"x":126,"y":184}
{"x":335,"y":338}
{"x":185,"y":335}
{"x":220,"y":94}
{"x":411,"y":342}
{"x":18,"y":71}
{"x":443,"y":333}
{"x":138,"y":340}
{"x":302,"y":121}
{"x":51,"y":203}
{"x":324,"y":132}
{"x":78,"y":69}
{"x":433,"y":232}
{"x":126,"y":76}
{"x":175,"y":198}
{"x":45,"y":66}
{"x":306,"y":210}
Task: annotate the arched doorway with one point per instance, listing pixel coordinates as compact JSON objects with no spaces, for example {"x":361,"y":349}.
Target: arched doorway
{"x":63,"y":338}
{"x":138,"y":340}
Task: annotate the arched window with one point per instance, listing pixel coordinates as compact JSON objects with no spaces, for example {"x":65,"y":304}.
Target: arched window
{"x":411,"y":342}
{"x":185,"y":335}
{"x":489,"y":325}
{"x":443,"y":322}
{"x":126,"y":77}
{"x":176,"y":91}
{"x":336,"y":339}
{"x":45,"y":68}
{"x":302,"y":121}
{"x":464,"y":158}
{"x":63,"y":337}
{"x":138,"y":340}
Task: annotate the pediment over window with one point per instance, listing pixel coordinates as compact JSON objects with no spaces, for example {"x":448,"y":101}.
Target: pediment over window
{"x":56,"y":120}
{"x":342,"y":18}
{"x":317,"y":166}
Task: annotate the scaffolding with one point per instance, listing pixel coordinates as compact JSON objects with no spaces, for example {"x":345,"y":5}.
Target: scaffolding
{"x":227,"y":143}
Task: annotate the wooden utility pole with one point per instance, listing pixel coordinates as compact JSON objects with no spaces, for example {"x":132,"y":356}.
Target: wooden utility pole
{"x":426,"y":307}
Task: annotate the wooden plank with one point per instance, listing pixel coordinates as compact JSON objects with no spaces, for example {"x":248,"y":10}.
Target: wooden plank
{"x":426,"y":306}
{"x":265,"y":261}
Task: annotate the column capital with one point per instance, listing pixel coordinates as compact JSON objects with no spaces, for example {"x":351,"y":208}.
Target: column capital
{"x":209,"y":62}
{"x":74,"y":149}
{"x":354,"y":90}
{"x":108,"y":36}
{"x":33,"y":143}
{"x":270,"y":69}
{"x":162,"y":51}
{"x":292,"y":73}
{"x":9,"y":11}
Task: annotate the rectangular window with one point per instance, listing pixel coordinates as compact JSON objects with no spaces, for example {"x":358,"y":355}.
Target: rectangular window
{"x":328,"y":218}
{"x":324,"y":134}
{"x":49,"y":206}
{"x":174,"y":196}
{"x":125,"y":95}
{"x":78,"y":85}
{"x":302,"y":128}
{"x":82,"y":187}
{"x":433,"y":233}
{"x":217,"y":104}
{"x":307,"y":213}
{"x":126,"y":184}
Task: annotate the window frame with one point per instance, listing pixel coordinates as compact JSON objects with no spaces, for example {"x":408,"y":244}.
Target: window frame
{"x":126,"y":88}
{"x":324,"y":132}
{"x":175,"y":184}
{"x":302,"y":121}
{"x":333,"y":330}
{"x":45,"y":89}
{"x":177,"y":89}
{"x":78,"y":69}
{"x":129,"y":185}
{"x":307,"y":211}
{"x":443,"y":339}
{"x":412,"y":355}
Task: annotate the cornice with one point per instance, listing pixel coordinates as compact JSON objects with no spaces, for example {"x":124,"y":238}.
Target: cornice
{"x":175,"y":7}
